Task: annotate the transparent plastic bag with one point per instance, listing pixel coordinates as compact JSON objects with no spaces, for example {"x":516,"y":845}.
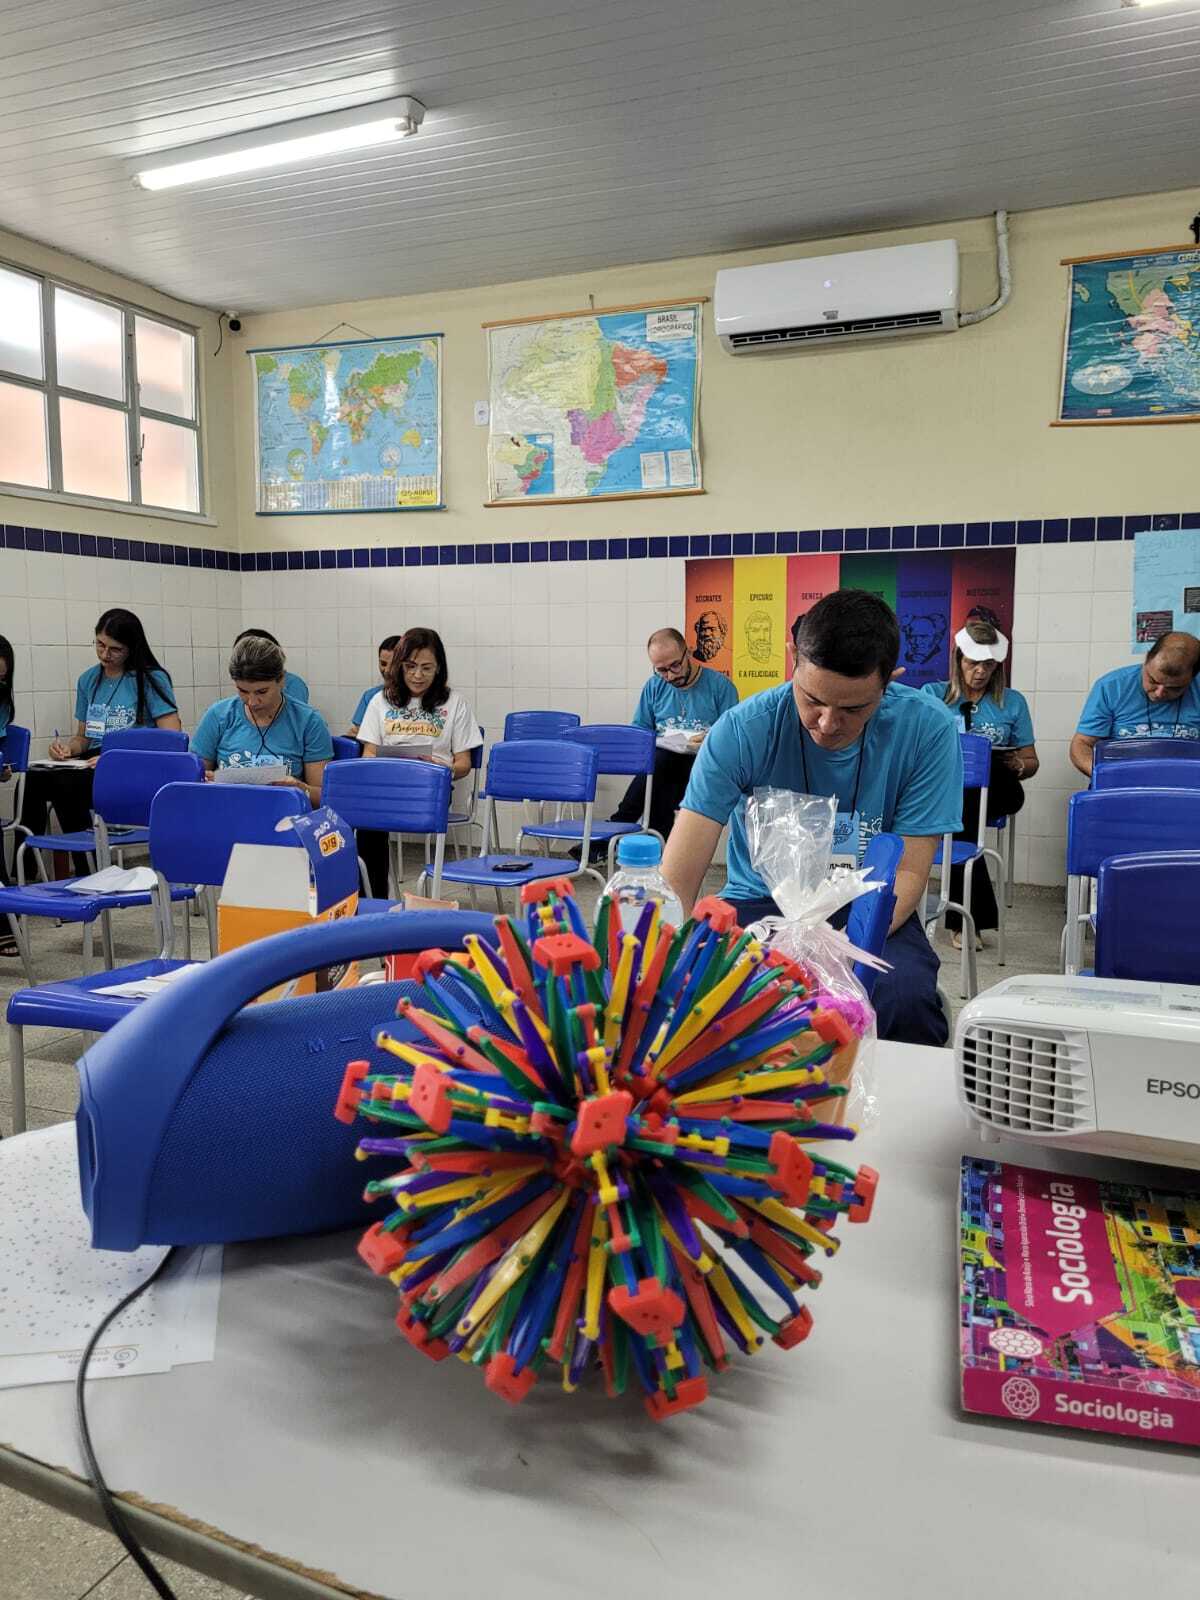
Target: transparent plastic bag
{"x":791,"y":841}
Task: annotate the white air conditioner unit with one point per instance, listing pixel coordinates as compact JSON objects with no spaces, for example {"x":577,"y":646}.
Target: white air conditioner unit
{"x":824,"y":300}
{"x":1087,"y":1063}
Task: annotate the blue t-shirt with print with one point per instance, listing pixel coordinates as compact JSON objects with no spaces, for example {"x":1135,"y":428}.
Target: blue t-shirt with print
{"x":295,"y":687}
{"x":227,"y":737}
{"x":1118,"y":707}
{"x":106,"y":704}
{"x":1008,"y":726}
{"x":903,"y":775}
{"x":364,"y":700}
{"x":664,"y":706}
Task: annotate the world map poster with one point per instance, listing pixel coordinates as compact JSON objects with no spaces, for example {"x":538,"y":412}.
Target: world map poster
{"x":349,"y":426}
{"x":587,"y":405}
{"x":739,"y":610}
{"x":1132,"y":347}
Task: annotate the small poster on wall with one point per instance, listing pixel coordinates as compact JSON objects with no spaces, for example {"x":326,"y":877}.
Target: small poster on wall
{"x":350,"y":426}
{"x":1132,"y":347}
{"x":1166,"y":584}
{"x":595,"y":405}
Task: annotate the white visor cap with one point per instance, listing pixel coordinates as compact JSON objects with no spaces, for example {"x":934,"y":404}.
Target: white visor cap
{"x":974,"y":651}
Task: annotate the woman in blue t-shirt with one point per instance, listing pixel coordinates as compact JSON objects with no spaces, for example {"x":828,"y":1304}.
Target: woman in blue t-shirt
{"x":977,"y":693}
{"x":261,"y":726}
{"x":294,"y":685}
{"x":128,"y":688}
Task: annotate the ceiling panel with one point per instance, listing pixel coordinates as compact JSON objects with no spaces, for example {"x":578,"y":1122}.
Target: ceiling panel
{"x":564,"y":135}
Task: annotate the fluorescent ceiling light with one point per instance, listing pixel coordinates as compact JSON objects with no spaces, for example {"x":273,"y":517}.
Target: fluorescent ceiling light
{"x":1138,"y":4}
{"x":285,"y":144}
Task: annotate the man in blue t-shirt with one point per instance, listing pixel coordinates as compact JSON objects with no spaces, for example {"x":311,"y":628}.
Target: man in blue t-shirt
{"x":841,"y":727}
{"x":1158,"y":700}
{"x":679,"y":703}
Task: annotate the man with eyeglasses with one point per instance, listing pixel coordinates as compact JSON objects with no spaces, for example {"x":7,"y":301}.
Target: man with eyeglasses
{"x":679,"y":703}
{"x":1158,"y":700}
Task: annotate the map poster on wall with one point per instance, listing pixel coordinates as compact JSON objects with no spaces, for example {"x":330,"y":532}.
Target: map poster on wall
{"x":1166,"y":585}
{"x":1132,"y":347}
{"x":350,"y":426}
{"x":595,"y":405}
{"x":739,"y":611}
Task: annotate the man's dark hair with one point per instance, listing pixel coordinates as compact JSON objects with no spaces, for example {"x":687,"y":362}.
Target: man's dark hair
{"x":1180,"y":653}
{"x":667,"y":636}
{"x":850,"y":632}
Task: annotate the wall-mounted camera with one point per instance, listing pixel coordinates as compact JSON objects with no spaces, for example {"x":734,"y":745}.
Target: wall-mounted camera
{"x":233,"y":321}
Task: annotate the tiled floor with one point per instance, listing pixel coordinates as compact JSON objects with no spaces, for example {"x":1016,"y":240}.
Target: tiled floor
{"x":47,"y":1555}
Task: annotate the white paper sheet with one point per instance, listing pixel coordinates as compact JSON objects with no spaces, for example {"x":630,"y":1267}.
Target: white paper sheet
{"x":57,"y":1288}
{"x":271,"y":774}
{"x":143,"y":988}
{"x":115,"y":880}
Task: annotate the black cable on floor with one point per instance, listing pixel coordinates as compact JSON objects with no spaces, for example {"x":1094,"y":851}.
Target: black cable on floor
{"x":113,"y":1514}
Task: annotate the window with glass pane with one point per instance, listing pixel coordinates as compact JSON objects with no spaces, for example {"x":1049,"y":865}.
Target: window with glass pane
{"x":170,"y":475}
{"x":23,"y":457}
{"x":89,"y":336}
{"x":20,"y":324}
{"x":95,"y":450}
{"x":166,"y":368}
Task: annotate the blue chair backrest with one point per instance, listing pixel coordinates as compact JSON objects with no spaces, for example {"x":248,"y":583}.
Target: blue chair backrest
{"x":541,"y":769}
{"x":538,"y":724}
{"x":871,"y":915}
{"x":977,"y":759}
{"x":127,"y":781}
{"x":345,"y":749}
{"x":1146,"y":924}
{"x":1116,"y":822}
{"x":14,"y":748}
{"x":200,"y":1121}
{"x":194,"y":826}
{"x":144,"y":739}
{"x":1147,"y":749}
{"x":1155,"y":774}
{"x":618,"y":746}
{"x":390,"y":795}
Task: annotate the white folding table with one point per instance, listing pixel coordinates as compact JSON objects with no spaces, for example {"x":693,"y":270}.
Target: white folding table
{"x":319,"y":1455}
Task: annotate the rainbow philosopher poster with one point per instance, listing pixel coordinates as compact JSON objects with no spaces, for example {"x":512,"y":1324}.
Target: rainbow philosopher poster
{"x":740,"y":609}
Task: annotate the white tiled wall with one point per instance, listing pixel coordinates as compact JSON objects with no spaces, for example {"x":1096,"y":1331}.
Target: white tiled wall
{"x":49,"y":605}
{"x":1071,"y":623}
{"x":553,"y":635}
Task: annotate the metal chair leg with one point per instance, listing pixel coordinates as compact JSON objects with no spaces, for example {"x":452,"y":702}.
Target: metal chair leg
{"x":16,"y":1075}
{"x":106,"y":939}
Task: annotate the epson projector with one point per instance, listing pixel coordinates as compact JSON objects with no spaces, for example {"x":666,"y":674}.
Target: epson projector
{"x":1098,"y":1064}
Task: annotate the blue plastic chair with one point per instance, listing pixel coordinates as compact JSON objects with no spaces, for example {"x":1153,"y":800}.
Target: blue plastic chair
{"x":620,"y":750}
{"x":1148,"y":774}
{"x":125,"y":785}
{"x":193,"y":829}
{"x":203,"y":1118}
{"x":977,"y":767}
{"x":392,"y":796}
{"x":126,"y":781}
{"x":530,"y":769}
{"x":144,"y":739}
{"x":1146,"y":750}
{"x":1119,"y":822}
{"x":538,"y":724}
{"x":345,"y":748}
{"x":14,"y":753}
{"x":1146,"y":923}
{"x":871,"y":915}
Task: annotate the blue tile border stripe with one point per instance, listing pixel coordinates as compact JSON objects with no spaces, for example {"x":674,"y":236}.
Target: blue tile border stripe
{"x":625,"y":547}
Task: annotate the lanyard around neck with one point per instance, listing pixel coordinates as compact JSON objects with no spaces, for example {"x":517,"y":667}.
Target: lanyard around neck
{"x":263,"y":732}
{"x":862,"y":750}
{"x":1150,"y":711}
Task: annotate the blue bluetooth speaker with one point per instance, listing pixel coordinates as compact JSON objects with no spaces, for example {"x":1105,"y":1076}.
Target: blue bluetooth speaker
{"x":203,"y":1119}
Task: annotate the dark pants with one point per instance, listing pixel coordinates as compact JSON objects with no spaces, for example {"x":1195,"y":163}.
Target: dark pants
{"x":1006,"y":796}
{"x":671,"y":774}
{"x":373,"y":848}
{"x":68,"y":793}
{"x":905,"y":999}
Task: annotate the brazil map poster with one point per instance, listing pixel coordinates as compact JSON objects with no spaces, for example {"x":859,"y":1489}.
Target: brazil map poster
{"x":739,"y":610}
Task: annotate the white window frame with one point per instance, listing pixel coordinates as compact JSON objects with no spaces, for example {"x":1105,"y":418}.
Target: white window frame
{"x":49,"y":387}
